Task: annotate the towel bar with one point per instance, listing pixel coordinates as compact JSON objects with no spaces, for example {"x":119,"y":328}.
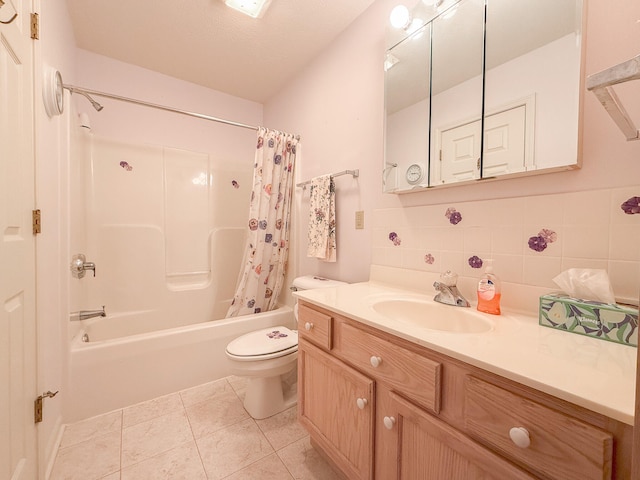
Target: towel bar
{"x":354,"y":173}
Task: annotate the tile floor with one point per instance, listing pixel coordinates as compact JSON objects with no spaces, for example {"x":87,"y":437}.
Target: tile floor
{"x":202,"y":433}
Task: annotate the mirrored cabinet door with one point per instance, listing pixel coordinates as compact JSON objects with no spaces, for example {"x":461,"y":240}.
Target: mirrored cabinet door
{"x":532,"y":85}
{"x":456,"y":93}
{"x":407,"y":106}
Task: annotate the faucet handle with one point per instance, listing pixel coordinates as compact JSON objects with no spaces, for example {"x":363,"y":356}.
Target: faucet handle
{"x":449,"y":278}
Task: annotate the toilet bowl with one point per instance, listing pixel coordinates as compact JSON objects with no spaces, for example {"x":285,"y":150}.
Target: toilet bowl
{"x":266,"y":357}
{"x":263,"y":356}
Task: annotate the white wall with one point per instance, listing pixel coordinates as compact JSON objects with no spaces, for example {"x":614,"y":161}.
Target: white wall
{"x":336,"y":103}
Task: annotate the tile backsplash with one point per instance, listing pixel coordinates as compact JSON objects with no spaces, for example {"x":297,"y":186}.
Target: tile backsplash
{"x":530,"y":239}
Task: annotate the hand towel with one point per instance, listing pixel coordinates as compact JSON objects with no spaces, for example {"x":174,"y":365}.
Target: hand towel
{"x":322,"y":219}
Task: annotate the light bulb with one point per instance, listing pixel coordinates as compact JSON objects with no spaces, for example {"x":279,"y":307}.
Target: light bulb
{"x":400,"y":16}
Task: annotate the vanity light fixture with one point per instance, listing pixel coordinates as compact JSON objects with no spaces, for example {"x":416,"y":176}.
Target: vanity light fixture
{"x":400,"y":17}
{"x":253,"y":8}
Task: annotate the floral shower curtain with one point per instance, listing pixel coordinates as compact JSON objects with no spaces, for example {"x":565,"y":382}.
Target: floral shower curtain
{"x":267,"y":244}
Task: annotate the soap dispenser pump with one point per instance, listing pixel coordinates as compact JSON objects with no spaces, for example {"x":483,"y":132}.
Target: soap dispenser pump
{"x":489,"y":291}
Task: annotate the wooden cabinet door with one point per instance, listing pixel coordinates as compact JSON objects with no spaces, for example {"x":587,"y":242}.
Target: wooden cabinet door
{"x":429,"y":449}
{"x":337,"y":406}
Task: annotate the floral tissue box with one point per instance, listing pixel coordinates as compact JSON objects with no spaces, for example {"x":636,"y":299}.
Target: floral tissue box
{"x":616,"y":323}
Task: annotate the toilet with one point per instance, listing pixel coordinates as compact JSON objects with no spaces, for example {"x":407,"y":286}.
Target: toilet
{"x":269,"y":355}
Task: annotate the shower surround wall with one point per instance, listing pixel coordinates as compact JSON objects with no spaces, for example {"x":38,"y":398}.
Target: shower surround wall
{"x":165,"y":228}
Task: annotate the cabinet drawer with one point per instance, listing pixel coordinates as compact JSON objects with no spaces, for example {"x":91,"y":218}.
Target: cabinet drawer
{"x":560,"y":447}
{"x":315,"y":326}
{"x":405,"y":371}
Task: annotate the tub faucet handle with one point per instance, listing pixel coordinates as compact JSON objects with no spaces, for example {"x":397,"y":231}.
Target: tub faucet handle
{"x":79,"y":266}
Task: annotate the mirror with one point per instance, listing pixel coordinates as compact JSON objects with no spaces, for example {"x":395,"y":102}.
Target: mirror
{"x":456,"y":103}
{"x":407,"y":100}
{"x":514,"y":75}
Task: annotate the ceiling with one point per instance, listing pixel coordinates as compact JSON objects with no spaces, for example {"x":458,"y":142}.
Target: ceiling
{"x":210,"y":44}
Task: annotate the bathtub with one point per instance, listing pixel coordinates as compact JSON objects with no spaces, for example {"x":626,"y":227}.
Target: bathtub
{"x":121,"y":364}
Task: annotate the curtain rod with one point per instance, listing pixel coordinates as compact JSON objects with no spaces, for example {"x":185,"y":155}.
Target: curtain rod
{"x":85,"y":92}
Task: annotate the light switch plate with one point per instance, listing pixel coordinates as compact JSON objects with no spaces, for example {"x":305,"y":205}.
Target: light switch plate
{"x":360,"y":220}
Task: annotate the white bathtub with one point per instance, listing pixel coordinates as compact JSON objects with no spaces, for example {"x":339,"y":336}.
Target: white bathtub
{"x":116,"y":368}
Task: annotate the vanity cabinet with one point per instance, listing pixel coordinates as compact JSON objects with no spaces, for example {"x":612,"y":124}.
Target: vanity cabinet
{"x":382,"y":407}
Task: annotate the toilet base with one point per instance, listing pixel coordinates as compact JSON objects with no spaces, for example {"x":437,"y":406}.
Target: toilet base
{"x":264,"y":397}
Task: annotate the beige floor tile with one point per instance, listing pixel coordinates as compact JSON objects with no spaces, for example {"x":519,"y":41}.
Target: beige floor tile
{"x":153,"y":437}
{"x":113,"y":476}
{"x":305,"y":463}
{"x":212,"y":415}
{"x":233,"y":448}
{"x":157,"y":407}
{"x":283,"y":428}
{"x":180,"y":463}
{"x":90,"y":460}
{"x":269,"y":468}
{"x":239,"y":385}
{"x":205,"y":392}
{"x":90,"y":428}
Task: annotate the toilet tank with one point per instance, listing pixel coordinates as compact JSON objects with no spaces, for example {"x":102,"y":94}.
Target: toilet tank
{"x":309,"y":282}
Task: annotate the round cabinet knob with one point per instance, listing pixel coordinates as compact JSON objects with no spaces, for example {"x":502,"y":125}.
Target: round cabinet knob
{"x":361,"y":402}
{"x":389,"y":422}
{"x":520,"y":436}
{"x":375,"y":361}
{"x":308,"y":326}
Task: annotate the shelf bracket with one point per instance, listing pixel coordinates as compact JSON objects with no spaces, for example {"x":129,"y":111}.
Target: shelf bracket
{"x":601,"y":84}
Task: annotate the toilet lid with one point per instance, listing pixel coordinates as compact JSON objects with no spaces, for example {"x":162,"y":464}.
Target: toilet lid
{"x":266,"y":342}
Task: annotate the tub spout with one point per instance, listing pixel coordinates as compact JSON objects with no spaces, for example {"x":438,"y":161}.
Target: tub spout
{"x":86,"y":314}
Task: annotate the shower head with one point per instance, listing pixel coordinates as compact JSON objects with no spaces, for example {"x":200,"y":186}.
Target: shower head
{"x":95,"y":104}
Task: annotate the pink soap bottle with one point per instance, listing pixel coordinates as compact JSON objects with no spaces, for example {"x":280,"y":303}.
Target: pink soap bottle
{"x":489,"y":291}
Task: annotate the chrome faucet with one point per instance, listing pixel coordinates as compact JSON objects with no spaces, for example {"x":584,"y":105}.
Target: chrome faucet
{"x":87,"y":314}
{"x":448,"y":293}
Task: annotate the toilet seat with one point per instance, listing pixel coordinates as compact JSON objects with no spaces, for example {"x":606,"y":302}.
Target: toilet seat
{"x":263,"y":344}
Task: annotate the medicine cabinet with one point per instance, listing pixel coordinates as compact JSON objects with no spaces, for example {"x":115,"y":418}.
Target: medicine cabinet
{"x":484,"y":89}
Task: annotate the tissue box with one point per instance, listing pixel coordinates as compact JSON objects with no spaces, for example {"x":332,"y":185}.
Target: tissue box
{"x":616,"y":323}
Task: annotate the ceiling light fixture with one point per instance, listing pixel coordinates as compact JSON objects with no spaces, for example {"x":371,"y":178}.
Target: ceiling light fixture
{"x":253,"y":8}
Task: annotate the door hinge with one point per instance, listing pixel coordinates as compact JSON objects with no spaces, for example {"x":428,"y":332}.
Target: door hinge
{"x":37,"y":405}
{"x":36,"y":222}
{"x":35,"y":26}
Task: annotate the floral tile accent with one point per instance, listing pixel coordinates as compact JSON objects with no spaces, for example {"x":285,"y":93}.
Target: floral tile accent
{"x":393,"y":236}
{"x":540,"y":242}
{"x":453,"y":215}
{"x":631,"y":206}
{"x":475,"y":262}
{"x":428,"y":258}
{"x":126,"y":166}
{"x":276,"y":334}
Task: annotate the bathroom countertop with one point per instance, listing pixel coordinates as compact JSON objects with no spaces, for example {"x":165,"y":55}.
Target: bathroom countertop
{"x":588,"y":372}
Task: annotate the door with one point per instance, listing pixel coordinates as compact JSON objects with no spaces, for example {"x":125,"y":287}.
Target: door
{"x":428,"y":448}
{"x":18,"y":443}
{"x":504,"y":142}
{"x":336,"y":405}
{"x":460,"y":153}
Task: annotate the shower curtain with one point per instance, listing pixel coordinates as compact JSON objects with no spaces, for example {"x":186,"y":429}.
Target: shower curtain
{"x":267,"y":244}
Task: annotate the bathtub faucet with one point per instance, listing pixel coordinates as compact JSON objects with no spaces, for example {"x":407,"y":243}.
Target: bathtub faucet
{"x":86,"y":314}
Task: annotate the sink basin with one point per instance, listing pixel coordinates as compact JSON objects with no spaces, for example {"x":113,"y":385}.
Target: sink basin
{"x":432,"y":315}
